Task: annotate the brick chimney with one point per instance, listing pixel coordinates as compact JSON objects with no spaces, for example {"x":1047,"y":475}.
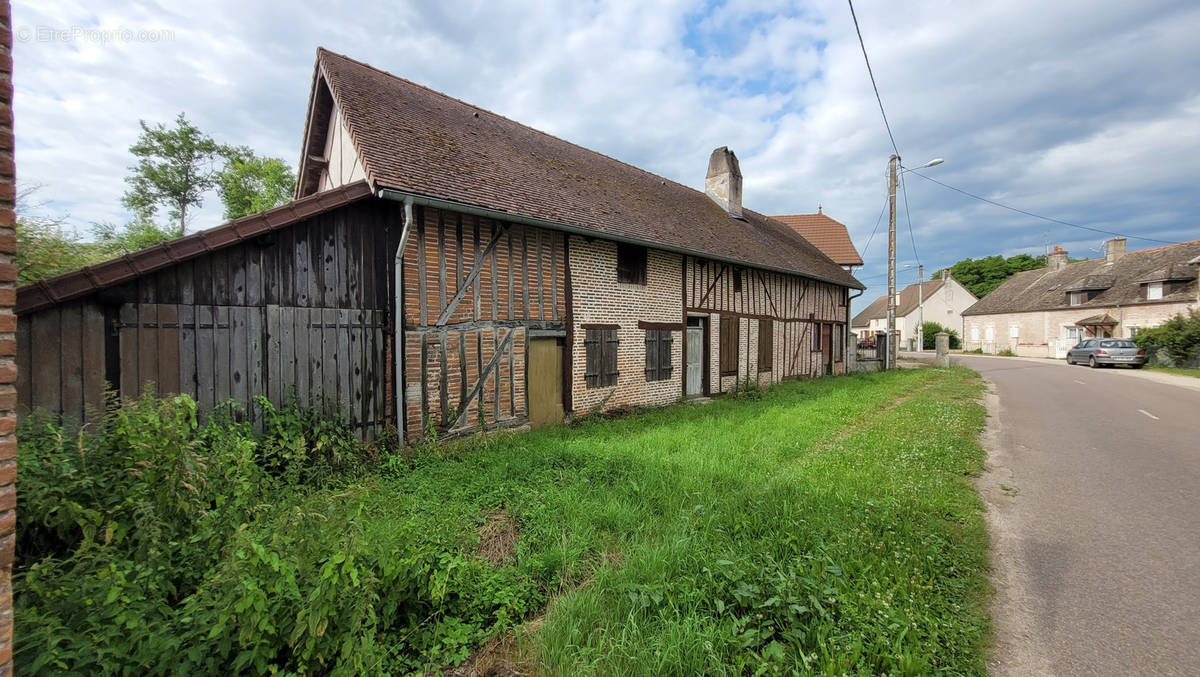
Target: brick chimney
{"x":1057,"y":258}
{"x":1114,"y":250}
{"x":724,"y":181}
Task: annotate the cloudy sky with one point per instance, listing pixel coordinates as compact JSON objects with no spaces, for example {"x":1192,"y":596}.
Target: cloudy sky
{"x":1087,"y":111}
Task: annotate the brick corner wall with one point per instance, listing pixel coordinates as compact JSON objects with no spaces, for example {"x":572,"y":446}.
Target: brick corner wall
{"x":8,"y":343}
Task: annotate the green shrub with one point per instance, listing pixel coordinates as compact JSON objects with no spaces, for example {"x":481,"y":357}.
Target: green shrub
{"x":1178,"y":336}
{"x":930,"y":331}
{"x":1006,"y":352}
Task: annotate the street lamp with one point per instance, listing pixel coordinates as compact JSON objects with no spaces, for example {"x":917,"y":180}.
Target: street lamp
{"x":894,"y":169}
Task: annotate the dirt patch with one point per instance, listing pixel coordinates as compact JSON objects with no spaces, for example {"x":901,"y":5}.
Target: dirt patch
{"x":498,"y":538}
{"x":504,"y":656}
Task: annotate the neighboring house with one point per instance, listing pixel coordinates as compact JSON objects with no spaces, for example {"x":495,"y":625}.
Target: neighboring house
{"x":445,"y":268}
{"x":942,"y":301}
{"x":826,"y":234}
{"x":1042,"y":313}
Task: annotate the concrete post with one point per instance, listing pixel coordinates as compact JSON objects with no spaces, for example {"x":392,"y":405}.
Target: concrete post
{"x":942,"y":341}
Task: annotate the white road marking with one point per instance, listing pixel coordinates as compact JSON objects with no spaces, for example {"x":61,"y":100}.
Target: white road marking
{"x":1080,"y":382}
{"x":1148,"y":414}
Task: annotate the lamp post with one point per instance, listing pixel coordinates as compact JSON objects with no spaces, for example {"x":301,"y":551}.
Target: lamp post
{"x":893,"y":176}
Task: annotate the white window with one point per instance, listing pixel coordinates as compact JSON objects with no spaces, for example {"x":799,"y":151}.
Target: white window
{"x":1154,"y":291}
{"x":1071,"y":333}
{"x":1077,"y":298}
{"x":1133,"y":331}
{"x":974,"y":332}
{"x":989,"y":333}
{"x":1014,"y":331}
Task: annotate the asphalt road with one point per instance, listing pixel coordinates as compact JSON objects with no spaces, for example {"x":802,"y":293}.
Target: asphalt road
{"x":1093,"y":493}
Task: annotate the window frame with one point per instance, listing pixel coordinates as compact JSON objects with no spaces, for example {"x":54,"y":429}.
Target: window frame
{"x":1156,"y":286}
{"x":728,"y":341}
{"x":632,"y":262}
{"x":816,"y":337}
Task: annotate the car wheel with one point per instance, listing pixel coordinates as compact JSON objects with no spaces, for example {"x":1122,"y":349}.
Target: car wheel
{"x":1136,"y":366}
{"x":1092,"y":362}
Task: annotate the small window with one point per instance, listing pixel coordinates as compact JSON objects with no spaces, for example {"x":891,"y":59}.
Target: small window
{"x":658,"y":354}
{"x":729,"y":345}
{"x":816,"y":336}
{"x":1154,"y":291}
{"x":1133,"y":331}
{"x":766,"y":345}
{"x":974,"y":332}
{"x":1075,"y":298}
{"x":601,"y":348}
{"x":737,"y":280}
{"x":989,"y":333}
{"x":1014,"y":331}
{"x":631,"y":264}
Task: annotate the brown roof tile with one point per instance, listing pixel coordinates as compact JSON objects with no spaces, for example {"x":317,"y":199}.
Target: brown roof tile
{"x":44,"y":293}
{"x":418,"y":141}
{"x":828,"y":235}
{"x":1045,"y":289}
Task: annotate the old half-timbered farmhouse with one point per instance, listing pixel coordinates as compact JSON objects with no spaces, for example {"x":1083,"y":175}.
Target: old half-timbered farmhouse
{"x":443,"y":267}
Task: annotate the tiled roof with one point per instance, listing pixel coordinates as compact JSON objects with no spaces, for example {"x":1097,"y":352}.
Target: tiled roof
{"x":415,"y":140}
{"x":909,"y":300}
{"x":45,"y":293}
{"x":1046,"y":289}
{"x":829,"y":235}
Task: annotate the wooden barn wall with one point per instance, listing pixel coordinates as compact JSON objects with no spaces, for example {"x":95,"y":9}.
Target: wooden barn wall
{"x":796,"y":305}
{"x":474,"y":291}
{"x":298,"y":313}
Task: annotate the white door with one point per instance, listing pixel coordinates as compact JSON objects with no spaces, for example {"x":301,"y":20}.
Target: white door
{"x":695,"y":360}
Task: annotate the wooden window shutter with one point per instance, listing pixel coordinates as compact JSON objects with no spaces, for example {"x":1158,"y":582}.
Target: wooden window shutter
{"x":651,"y":354}
{"x":766,"y":345}
{"x":665,"y":367}
{"x":729,"y":345}
{"x":592,"y":347}
{"x":658,"y":354}
{"x":610,"y":372}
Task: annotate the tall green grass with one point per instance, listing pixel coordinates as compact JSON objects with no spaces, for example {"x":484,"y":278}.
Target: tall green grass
{"x":829,"y":527}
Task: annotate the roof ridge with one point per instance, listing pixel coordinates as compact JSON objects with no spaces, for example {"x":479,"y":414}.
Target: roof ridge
{"x":322,"y":50}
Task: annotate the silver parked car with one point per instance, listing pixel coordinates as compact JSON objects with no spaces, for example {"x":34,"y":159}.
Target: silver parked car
{"x":1106,"y":352}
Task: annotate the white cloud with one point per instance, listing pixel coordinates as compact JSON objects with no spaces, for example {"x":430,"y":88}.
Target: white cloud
{"x":1084,"y":111}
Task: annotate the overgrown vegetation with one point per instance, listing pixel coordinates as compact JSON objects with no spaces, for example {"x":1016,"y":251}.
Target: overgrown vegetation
{"x":1178,"y":336}
{"x":929,"y":330}
{"x":983,"y":275}
{"x":828,"y":526}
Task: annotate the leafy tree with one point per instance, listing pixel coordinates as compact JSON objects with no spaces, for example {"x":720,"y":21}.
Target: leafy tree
{"x":981,"y":276}
{"x":175,"y":167}
{"x":250,"y":184}
{"x":46,"y":246}
{"x":1179,"y":336}
{"x":113,"y":240}
{"x":930,"y":331}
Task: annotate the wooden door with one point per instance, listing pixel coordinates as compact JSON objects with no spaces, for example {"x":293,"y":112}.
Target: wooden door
{"x":545,"y":362}
{"x":695,"y":360}
{"x":827,"y":344}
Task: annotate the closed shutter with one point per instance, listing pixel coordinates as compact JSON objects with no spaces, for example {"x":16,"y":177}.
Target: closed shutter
{"x":729,"y":345}
{"x":592,"y":347}
{"x":611,"y":372}
{"x":766,"y":345}
{"x":658,"y":354}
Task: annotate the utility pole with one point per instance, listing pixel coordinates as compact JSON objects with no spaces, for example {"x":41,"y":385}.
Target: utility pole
{"x":893,"y":347}
{"x":920,"y":306}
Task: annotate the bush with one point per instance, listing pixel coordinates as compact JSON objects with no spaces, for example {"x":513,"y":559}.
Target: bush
{"x":930,"y":331}
{"x":1178,"y":336}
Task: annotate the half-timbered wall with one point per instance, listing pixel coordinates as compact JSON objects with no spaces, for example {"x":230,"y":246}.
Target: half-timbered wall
{"x":475,"y":291}
{"x":599,"y":300}
{"x":796,"y":305}
{"x":298,"y":313}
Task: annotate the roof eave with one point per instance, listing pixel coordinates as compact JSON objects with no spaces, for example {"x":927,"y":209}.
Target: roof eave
{"x":430,"y":201}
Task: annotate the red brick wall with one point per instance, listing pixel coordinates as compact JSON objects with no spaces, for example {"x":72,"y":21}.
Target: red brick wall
{"x":599,"y":299}
{"x":8,"y":344}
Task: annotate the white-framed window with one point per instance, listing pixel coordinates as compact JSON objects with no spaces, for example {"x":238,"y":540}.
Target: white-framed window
{"x":1154,"y":291}
{"x":1076,"y":298}
{"x":989,"y":333}
{"x":1014,"y":331}
{"x":974,"y":332}
{"x":1133,"y":331}
{"x":1071,"y":333}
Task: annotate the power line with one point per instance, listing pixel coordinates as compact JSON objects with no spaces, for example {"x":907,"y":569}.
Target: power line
{"x":908,"y":217}
{"x":1039,"y":216}
{"x":877,"y":222}
{"x":872,"y":74}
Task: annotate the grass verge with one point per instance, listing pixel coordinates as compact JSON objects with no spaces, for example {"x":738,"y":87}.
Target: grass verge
{"x":1178,"y":371}
{"x":824,"y":527}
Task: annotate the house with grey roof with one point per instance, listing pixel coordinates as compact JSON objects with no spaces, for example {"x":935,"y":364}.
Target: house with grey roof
{"x":942,"y":301}
{"x":445,"y":268}
{"x":1044,"y":312}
